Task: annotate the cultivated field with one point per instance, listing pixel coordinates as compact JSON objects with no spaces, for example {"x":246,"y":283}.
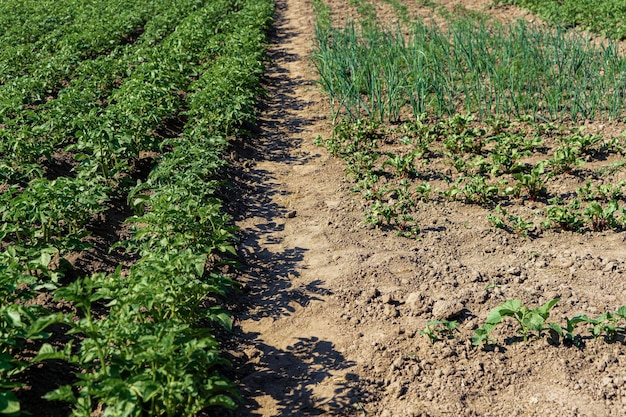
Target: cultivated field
{"x":113,"y":119}
{"x":470,"y":262}
{"x":312,"y":207}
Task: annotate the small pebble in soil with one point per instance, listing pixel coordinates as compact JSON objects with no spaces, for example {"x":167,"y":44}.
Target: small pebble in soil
{"x":515,"y":271}
{"x":475,"y":276}
{"x":445,"y":309}
{"x":609,"y":267}
{"x":391,"y":311}
{"x":386,"y":298}
{"x":370,"y":294}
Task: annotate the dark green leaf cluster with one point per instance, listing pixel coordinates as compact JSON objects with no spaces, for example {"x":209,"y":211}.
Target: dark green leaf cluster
{"x":120,"y":73}
{"x":18,"y":324}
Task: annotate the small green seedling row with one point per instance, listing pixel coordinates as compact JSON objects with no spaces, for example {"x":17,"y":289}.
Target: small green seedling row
{"x":533,"y":323}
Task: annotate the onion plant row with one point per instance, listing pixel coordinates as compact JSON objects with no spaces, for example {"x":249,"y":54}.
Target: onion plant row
{"x":473,"y":66}
{"x":142,"y":337}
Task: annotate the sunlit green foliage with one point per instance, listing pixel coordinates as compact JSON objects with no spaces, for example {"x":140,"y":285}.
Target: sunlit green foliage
{"x":87,"y":90}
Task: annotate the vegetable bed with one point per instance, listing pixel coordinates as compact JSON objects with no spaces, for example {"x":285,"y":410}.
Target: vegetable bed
{"x":113,"y":119}
{"x":488,"y":114}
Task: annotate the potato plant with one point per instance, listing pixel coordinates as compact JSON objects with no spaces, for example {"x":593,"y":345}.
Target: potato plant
{"x":18,"y":325}
{"x":51,"y":212}
{"x":142,"y":340}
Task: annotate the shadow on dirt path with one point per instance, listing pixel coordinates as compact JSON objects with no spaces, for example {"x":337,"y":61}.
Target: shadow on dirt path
{"x":264,"y":203}
{"x":277,"y":373}
{"x":283,"y":380}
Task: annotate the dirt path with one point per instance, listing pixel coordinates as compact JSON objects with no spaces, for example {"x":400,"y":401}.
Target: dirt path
{"x":328,"y":322}
{"x":294,"y":349}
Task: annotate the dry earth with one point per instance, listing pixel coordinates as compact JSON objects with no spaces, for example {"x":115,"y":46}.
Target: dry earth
{"x":329,"y":317}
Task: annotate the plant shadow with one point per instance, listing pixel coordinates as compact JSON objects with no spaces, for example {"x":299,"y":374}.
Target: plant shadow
{"x":283,"y":380}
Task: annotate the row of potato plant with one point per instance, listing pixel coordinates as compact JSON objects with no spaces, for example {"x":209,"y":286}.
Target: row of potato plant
{"x":105,"y":145}
{"x":50,"y":61}
{"x":143,"y":341}
{"x":50,"y":216}
{"x":108,"y":140}
{"x":110,"y":94}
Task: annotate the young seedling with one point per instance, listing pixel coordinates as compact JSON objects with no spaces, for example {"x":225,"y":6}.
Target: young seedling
{"x":602,"y":218}
{"x":481,"y":335}
{"x":520,"y":225}
{"x":532,"y":182}
{"x":606,"y":323}
{"x":571,"y":326}
{"x":474,"y":189}
{"x":408,"y":227}
{"x":585,"y":143}
{"x":563,"y":217}
{"x":380,"y":213}
{"x":611,"y":169}
{"x":529,"y":321}
{"x":565,"y":158}
{"x":437,"y":330}
{"x":496,"y":221}
{"x":403,"y":164}
{"x":505,"y":160}
{"x":423,"y":191}
{"x":509,"y":222}
{"x":608,"y":192}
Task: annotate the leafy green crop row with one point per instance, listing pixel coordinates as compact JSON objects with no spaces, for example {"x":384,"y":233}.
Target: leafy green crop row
{"x":51,"y":61}
{"x":494,"y":165}
{"x":142,"y":337}
{"x":108,"y":139}
{"x":111,"y":94}
{"x":534,"y":322}
{"x":604,"y":17}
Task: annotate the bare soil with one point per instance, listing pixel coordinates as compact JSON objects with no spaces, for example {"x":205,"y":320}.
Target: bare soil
{"x":329,"y":316}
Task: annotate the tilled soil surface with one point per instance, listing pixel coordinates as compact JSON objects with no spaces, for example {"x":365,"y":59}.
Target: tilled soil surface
{"x":329,"y":318}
